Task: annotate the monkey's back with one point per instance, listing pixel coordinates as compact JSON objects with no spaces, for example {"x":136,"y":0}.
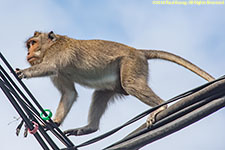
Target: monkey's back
{"x":102,"y":51}
{"x":97,"y":62}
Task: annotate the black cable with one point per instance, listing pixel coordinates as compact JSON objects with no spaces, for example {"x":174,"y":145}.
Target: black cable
{"x":35,"y":112}
{"x":58,"y":133}
{"x":28,"y":112}
{"x":9,"y":81}
{"x":53,"y":128}
{"x":31,"y":111}
{"x":15,"y":94}
{"x":22,"y":84}
{"x":138,"y":117}
{"x":172,"y":117}
{"x":22,"y":114}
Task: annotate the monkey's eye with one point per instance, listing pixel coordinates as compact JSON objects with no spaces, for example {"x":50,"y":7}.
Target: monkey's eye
{"x":32,"y":42}
{"x":28,"y":45}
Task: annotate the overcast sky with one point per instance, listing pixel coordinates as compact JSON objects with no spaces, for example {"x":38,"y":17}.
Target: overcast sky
{"x":196,"y":33}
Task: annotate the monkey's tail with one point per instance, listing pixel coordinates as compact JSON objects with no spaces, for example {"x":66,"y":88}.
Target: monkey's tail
{"x":157,"y":54}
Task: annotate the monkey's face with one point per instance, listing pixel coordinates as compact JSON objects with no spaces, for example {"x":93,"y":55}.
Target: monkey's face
{"x":37,"y":45}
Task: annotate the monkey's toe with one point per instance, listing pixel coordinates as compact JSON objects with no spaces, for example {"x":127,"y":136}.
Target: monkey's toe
{"x":70,"y":132}
{"x":151,"y":120}
{"x":152,"y":117}
{"x":80,"y":131}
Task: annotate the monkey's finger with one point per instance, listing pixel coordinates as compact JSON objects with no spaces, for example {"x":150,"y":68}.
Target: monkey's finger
{"x":70,"y":132}
{"x":17,"y":71}
{"x":20,"y":74}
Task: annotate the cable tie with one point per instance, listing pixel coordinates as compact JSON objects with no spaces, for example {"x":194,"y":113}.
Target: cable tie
{"x":36,"y":126}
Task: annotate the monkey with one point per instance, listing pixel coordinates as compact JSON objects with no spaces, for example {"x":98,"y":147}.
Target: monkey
{"x":113,"y":69}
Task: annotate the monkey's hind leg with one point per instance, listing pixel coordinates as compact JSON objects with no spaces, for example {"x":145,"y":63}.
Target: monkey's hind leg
{"x":98,"y":106}
{"x":134,"y":74}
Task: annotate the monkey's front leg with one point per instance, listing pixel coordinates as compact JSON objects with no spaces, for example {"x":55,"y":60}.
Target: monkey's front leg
{"x":98,"y":106}
{"x":65,"y":104}
{"x":69,"y":95}
{"x":38,"y":70}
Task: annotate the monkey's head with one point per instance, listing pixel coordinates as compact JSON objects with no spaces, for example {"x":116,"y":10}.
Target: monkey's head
{"x":37,"y":45}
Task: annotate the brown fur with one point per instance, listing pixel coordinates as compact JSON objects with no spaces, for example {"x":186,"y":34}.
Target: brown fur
{"x":110,"y":68}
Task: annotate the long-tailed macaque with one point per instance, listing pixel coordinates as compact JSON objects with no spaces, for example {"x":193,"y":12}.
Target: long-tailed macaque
{"x":110,"y":68}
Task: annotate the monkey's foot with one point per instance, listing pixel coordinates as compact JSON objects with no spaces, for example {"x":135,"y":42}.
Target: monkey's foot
{"x":80,"y":131}
{"x":152,"y":117}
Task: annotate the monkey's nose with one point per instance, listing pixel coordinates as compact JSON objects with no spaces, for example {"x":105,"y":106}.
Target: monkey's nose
{"x":28,"y":53}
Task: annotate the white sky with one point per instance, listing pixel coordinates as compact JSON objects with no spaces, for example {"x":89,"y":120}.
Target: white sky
{"x":195,"y":32}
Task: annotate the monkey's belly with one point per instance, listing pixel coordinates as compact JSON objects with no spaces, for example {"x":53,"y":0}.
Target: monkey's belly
{"x":99,"y":81}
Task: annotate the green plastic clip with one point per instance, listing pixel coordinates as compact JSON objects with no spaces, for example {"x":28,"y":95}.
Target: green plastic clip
{"x":48,"y":111}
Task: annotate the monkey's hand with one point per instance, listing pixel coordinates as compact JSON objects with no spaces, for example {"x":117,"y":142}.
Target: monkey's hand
{"x":21,"y":73}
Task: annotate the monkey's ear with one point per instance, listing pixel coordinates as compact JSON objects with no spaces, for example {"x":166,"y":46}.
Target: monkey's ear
{"x":36,"y":33}
{"x":52,"y":36}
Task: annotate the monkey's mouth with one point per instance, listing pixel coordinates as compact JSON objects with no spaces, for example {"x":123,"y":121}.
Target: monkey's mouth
{"x":31,"y":59}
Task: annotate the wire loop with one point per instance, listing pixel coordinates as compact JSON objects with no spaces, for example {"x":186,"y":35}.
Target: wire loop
{"x":46,"y":117}
{"x":36,"y":126}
